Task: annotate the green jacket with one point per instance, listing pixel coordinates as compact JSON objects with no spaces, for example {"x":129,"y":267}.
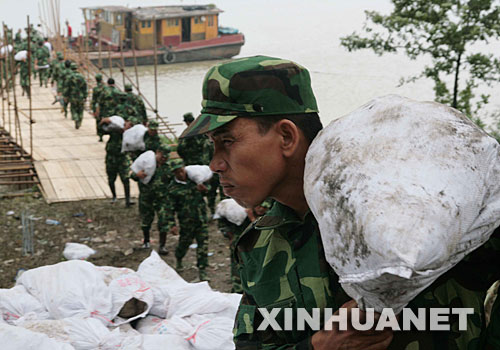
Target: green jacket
{"x":107,"y":102}
{"x":42,"y":55}
{"x":75,"y":87}
{"x":187,"y":202}
{"x":282,"y":264}
{"x":195,"y":150}
{"x":96,"y":93}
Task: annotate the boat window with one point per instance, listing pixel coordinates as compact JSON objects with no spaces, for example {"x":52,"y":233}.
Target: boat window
{"x":176,"y":22}
{"x":210,"y":21}
{"x":118,"y":19}
{"x":197,"y":20}
{"x":143,"y":24}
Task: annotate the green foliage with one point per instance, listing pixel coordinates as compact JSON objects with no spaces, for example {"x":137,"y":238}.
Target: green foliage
{"x":448,"y":32}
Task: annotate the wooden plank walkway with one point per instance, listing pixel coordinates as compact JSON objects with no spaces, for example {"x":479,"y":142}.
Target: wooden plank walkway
{"x":69,"y":162}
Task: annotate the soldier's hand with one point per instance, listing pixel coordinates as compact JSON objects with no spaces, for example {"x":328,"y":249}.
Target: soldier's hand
{"x":105,"y":121}
{"x":141,"y":174}
{"x":202,"y":188}
{"x":174,"y":231}
{"x":352,"y":339}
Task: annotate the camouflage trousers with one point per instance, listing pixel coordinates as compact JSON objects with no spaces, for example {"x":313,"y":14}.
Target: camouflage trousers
{"x":76,"y":107}
{"x":98,"y":128}
{"x":117,"y":165}
{"x":43,"y":74}
{"x":191,"y":228}
{"x":149,"y":204}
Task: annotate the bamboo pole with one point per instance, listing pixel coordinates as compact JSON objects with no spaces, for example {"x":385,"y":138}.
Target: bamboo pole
{"x":1,"y":89}
{"x":123,"y":60}
{"x":86,"y":41}
{"x":100,"y":47}
{"x":16,"y":115}
{"x":135,"y":60}
{"x":156,"y":63}
{"x":8,"y":78}
{"x":110,"y":62}
{"x":29,"y":89}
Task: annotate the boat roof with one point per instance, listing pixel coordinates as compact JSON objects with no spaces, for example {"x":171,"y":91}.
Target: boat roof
{"x":109,"y":8}
{"x":160,"y":12}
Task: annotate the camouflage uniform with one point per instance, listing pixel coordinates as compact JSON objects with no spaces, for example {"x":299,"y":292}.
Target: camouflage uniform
{"x":154,"y":198}
{"x":280,"y":257}
{"x":65,"y":73}
{"x":24,"y":78}
{"x":96,"y":94}
{"x":107,"y":102}
{"x":117,"y":164}
{"x":42,"y":56}
{"x":190,"y":207}
{"x":75,"y":90}
{"x":137,"y":105}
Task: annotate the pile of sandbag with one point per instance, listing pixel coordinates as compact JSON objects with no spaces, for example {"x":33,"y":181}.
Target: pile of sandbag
{"x":402,"y":191}
{"x":133,"y":138}
{"x":199,"y":173}
{"x":77,"y":305}
{"x":116,"y":123}
{"x":146,"y":162}
{"x":231,"y":211}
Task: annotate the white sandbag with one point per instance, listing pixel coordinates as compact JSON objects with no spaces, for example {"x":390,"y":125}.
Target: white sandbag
{"x":173,"y":326}
{"x":199,"y":173}
{"x":216,"y":333}
{"x":77,"y":251}
{"x":21,"y":55}
{"x":70,"y":288}
{"x":133,"y":138}
{"x":116,"y":123}
{"x":81,"y":333}
{"x":231,"y":211}
{"x":16,"y":338}
{"x":196,"y":299}
{"x":402,"y":191}
{"x":110,"y":272}
{"x":5,"y":49}
{"x":147,"y":162}
{"x":164,"y":341}
{"x":17,"y":302}
{"x":162,"y":278}
{"x":132,"y":298}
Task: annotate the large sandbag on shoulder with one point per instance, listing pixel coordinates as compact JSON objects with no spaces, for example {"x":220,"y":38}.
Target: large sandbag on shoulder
{"x":199,"y":173}
{"x":402,"y":191}
{"x":231,"y":211}
{"x":117,"y":123}
{"x":147,"y":162}
{"x":133,"y":138}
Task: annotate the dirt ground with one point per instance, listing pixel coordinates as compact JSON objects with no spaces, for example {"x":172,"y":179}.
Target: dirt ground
{"x":110,"y":229}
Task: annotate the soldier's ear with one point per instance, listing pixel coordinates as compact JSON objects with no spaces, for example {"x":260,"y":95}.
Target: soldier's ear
{"x":289,"y":136}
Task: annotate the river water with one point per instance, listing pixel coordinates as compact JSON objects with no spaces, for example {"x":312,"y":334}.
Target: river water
{"x":307,"y":32}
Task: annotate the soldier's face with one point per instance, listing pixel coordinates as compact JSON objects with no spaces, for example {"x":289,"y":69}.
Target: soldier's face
{"x":180,"y":174}
{"x":250,"y":164}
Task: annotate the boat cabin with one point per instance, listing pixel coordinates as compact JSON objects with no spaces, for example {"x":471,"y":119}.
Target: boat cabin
{"x":174,"y":25}
{"x":112,"y":23}
{"x":120,"y":25}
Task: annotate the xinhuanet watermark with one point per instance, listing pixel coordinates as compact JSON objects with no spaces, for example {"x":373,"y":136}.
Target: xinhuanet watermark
{"x":433,"y":319}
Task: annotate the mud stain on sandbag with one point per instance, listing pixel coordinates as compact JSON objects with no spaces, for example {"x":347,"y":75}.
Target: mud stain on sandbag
{"x":351,"y":235}
{"x":391,"y":114}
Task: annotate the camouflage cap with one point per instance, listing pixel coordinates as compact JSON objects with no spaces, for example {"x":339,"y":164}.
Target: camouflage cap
{"x":164,"y":149}
{"x":98,"y":77}
{"x":153,"y":124}
{"x":188,"y":117}
{"x":252,"y":86}
{"x":127,"y":87}
{"x":176,"y":164}
{"x":59,"y":55}
{"x":74,"y":66}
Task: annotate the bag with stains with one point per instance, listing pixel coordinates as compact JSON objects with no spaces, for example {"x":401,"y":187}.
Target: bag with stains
{"x":116,"y":123}
{"x":231,"y":211}
{"x":402,"y":191}
{"x":133,"y":138}
{"x":147,"y":162}
{"x":199,"y":173}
